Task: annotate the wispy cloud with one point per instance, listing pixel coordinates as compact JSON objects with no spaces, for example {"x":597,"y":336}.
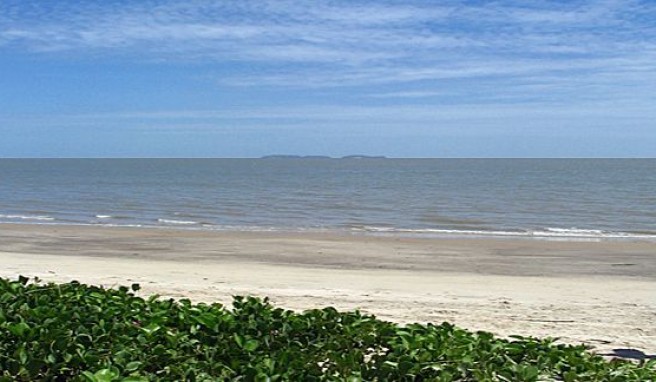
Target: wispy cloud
{"x":353,"y":43}
{"x":318,"y":116}
{"x":413,"y":30}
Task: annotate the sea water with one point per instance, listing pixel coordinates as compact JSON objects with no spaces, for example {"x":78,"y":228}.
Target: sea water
{"x":545,"y":198}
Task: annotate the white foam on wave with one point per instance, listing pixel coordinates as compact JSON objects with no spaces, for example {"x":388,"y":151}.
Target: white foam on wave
{"x":104,"y":216}
{"x":119,"y":225}
{"x":180,"y":222}
{"x":546,"y":233}
{"x":574,"y":230}
{"x":438,"y":231}
{"x":589,"y":233}
{"x":27,"y":217}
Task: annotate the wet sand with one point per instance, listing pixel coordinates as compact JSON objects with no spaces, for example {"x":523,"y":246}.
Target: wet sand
{"x":601,"y":293}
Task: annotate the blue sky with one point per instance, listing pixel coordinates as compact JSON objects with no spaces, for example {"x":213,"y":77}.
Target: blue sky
{"x":397,"y":78}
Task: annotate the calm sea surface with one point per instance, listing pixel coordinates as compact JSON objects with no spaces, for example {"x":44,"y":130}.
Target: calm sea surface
{"x":565,"y":198}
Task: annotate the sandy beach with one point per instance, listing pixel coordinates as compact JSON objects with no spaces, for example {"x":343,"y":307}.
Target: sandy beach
{"x":601,"y":293}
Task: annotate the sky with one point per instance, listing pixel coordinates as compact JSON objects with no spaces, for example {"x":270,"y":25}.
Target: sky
{"x":247,"y":78}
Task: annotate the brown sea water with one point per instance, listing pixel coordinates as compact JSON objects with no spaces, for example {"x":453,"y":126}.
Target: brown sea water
{"x":551,"y":198}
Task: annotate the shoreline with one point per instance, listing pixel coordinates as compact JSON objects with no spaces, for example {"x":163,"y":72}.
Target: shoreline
{"x":598,"y":293}
{"x":342,"y":250}
{"x":547,"y":234}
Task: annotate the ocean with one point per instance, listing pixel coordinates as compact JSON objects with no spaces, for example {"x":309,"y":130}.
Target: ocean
{"x":541,"y":198}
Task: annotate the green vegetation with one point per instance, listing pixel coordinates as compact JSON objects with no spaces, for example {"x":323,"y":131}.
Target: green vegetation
{"x":77,"y":332}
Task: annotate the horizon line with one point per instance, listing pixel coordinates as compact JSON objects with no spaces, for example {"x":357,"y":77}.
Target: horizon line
{"x":324,"y":157}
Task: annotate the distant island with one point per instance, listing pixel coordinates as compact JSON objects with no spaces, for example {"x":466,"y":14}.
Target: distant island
{"x":322,"y":157}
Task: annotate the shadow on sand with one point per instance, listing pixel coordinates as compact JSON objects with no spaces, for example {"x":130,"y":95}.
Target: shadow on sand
{"x":630,"y":354}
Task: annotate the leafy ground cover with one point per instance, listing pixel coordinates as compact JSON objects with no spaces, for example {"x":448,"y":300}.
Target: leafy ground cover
{"x":74,"y":331}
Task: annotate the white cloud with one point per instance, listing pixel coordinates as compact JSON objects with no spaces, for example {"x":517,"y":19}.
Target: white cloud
{"x":351,"y":43}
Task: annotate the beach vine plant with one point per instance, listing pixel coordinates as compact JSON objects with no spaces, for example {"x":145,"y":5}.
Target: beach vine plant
{"x":72,"y":331}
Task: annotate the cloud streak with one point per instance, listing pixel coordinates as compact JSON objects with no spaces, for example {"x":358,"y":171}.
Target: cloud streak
{"x":352,"y":31}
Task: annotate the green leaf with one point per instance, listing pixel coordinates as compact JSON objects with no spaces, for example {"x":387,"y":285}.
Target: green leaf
{"x":207,"y":319}
{"x":18,"y":329}
{"x":22,"y":355}
{"x":239,"y":340}
{"x":151,"y":328}
{"x":89,"y":376}
{"x":132,"y":366}
{"x":106,"y":375}
{"x":251,"y":345}
{"x":135,"y":379}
